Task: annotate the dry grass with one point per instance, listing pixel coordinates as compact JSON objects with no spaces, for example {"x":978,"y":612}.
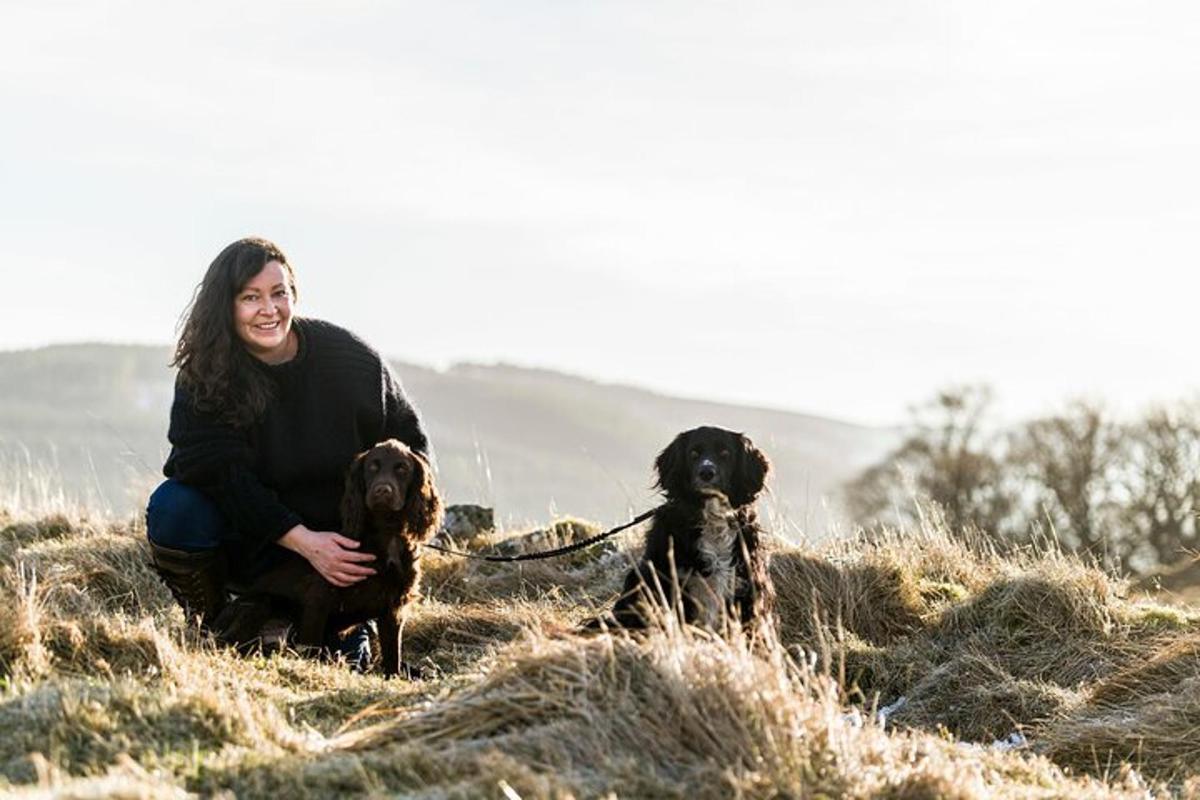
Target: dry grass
{"x":104,"y":692}
{"x":1178,"y":583}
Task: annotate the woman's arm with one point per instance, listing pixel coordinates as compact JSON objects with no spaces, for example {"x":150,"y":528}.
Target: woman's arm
{"x":217,"y":458}
{"x":331,"y":554}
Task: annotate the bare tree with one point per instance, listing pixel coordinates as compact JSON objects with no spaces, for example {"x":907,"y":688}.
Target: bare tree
{"x":1162,"y":480}
{"x":948,"y":458}
{"x":1068,"y":466}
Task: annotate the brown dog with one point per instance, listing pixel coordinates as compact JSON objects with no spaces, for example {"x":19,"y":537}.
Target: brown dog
{"x":391,"y":506}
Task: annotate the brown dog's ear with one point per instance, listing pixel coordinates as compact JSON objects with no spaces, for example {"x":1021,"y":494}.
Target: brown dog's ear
{"x":423,"y":506}
{"x":354,"y":501}
{"x":751,"y":474}
{"x":671,"y":466}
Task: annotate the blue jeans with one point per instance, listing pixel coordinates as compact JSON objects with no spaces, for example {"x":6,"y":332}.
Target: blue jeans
{"x":182,"y":517}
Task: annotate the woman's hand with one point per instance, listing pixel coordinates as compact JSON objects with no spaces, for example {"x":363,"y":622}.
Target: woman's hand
{"x":331,"y":554}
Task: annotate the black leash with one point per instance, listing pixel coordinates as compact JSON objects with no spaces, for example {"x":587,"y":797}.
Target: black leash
{"x":560,"y":551}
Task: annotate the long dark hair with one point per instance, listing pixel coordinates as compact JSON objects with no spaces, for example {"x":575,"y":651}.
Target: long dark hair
{"x":214,"y":365}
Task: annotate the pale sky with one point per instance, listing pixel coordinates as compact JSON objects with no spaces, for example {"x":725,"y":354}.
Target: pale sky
{"x":832,"y":207}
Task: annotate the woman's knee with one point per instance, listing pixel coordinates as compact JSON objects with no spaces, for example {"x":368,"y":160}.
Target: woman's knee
{"x":183,"y":517}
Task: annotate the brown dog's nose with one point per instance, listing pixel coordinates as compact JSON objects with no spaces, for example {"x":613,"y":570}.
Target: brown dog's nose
{"x":384,"y":491}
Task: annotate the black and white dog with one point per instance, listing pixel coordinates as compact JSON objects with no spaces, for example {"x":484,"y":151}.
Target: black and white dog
{"x":703,"y":552}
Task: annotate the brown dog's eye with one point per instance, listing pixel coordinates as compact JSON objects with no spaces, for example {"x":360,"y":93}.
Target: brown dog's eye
{"x":724,"y":454}
{"x":693,"y":453}
{"x":373,"y":466}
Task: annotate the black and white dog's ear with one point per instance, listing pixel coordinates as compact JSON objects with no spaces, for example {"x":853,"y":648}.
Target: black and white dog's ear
{"x":671,"y":466}
{"x":354,"y":500}
{"x":751,"y":474}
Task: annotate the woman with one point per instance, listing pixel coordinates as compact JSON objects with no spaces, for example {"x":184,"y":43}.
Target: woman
{"x":269,"y":410}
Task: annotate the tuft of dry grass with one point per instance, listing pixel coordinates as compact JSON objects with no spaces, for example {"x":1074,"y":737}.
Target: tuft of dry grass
{"x":975,"y":698}
{"x":876,"y":600}
{"x":125,"y":780}
{"x":981,"y":644}
{"x":105,"y":692}
{"x":1156,"y":734}
{"x":1162,"y":673}
{"x":675,"y":714}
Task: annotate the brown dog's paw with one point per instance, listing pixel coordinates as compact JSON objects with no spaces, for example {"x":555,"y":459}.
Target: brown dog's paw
{"x":415,"y":672}
{"x":243,"y":624}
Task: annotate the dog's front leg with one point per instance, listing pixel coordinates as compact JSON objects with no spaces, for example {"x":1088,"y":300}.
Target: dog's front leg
{"x":391,"y":627}
{"x":642,"y":598}
{"x":314,"y":615}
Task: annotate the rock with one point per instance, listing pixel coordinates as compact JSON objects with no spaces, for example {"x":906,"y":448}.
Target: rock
{"x":561,"y":533}
{"x":464,"y":522}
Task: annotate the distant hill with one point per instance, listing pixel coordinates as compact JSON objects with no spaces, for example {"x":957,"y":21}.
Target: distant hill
{"x":90,"y":419}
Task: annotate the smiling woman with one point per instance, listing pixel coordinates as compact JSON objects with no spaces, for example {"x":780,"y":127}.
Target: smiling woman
{"x":263,"y":315}
{"x":269,"y":410}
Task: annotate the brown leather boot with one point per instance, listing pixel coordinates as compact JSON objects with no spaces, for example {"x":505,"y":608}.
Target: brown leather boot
{"x":196,"y":579}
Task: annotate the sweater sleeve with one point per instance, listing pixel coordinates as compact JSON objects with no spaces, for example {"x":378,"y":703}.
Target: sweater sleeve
{"x":218,"y":459}
{"x":400,"y":418}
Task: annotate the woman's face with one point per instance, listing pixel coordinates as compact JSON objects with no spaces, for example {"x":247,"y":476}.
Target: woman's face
{"x":262,"y":314}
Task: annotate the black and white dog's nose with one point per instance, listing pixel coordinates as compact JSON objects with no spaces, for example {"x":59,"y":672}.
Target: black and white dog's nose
{"x":707,"y":472}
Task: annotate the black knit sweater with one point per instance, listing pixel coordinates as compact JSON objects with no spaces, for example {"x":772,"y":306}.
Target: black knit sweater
{"x":333,"y":400}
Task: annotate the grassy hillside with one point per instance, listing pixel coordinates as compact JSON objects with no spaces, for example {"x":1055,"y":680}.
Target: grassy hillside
{"x":91,"y":422}
{"x":104,"y":692}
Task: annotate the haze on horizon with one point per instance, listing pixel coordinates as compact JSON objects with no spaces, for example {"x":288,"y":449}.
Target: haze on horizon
{"x":833,"y":208}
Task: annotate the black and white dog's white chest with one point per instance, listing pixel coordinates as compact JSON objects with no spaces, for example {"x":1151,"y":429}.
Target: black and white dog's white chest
{"x":717,"y":547}
{"x":713,"y":582}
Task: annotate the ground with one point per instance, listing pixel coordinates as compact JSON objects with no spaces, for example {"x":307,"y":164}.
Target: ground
{"x":105,"y":690}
